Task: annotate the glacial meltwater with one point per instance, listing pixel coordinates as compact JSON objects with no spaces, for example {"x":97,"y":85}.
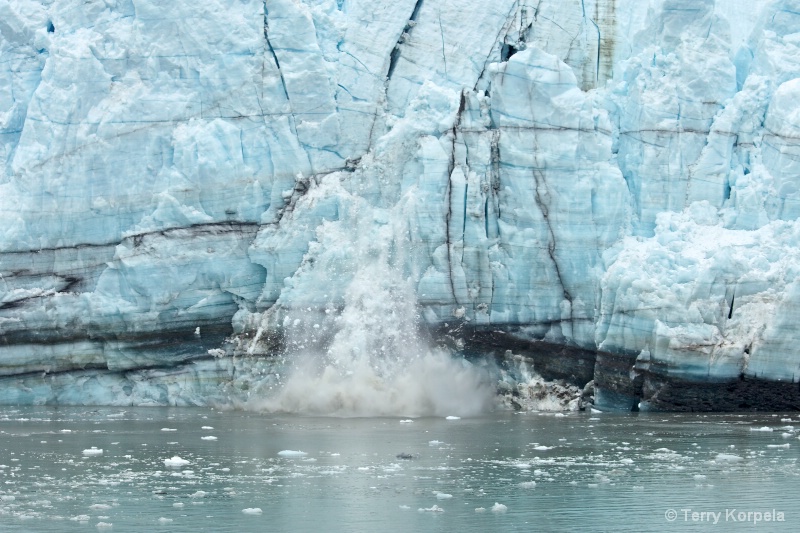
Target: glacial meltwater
{"x":191,"y":469}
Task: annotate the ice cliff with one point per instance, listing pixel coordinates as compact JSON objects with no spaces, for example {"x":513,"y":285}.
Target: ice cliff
{"x":611,"y":185}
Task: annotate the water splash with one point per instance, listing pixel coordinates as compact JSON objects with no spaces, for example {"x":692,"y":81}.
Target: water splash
{"x":376,"y":363}
{"x":366,"y":356}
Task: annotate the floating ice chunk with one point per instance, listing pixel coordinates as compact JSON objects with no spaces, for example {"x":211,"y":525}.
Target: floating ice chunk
{"x":104,"y":525}
{"x":7,"y":498}
{"x":765,"y":428}
{"x":163,"y":520}
{"x":452,"y":418}
{"x":407,"y":421}
{"x":433,"y":509}
{"x":787,"y":435}
{"x":175,"y":461}
{"x":699,"y":476}
{"x":626,"y":461}
{"x":208,"y":437}
{"x":543,"y":448}
{"x":199,"y":494}
{"x":499,"y":508}
{"x":292,"y":453}
{"x":786,"y":420}
{"x":784,"y":446}
{"x":404,"y":507}
{"x":434,"y":442}
{"x":727,"y":458}
{"x":99,"y":507}
{"x":559,"y":415}
{"x":527,"y":485}
{"x":177,"y":505}
{"x":207,"y":428}
{"x":93,"y":451}
{"x":252,"y":510}
{"x":168,"y":429}
{"x":443,"y":496}
{"x":81,"y":518}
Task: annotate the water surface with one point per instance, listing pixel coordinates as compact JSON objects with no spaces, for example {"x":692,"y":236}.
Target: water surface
{"x":572,"y":472}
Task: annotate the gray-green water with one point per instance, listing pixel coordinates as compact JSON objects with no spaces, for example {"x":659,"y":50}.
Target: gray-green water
{"x":580,"y":471}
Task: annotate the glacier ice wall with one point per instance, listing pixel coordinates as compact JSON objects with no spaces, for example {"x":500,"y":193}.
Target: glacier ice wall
{"x":612,"y":176}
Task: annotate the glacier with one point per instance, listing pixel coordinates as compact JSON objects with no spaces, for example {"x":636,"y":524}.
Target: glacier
{"x":607,"y":188}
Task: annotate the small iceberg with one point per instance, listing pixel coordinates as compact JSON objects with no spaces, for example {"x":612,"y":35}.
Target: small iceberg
{"x":434,"y":509}
{"x":252,"y":510}
{"x":93,"y":451}
{"x":499,"y":508}
{"x":727,"y":458}
{"x":175,"y":461}
{"x":292,"y":453}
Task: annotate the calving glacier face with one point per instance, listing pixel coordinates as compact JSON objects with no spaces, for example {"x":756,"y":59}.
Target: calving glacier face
{"x":606,"y":175}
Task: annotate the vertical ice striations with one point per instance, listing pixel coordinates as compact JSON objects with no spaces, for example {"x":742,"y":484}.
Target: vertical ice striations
{"x":607,"y":175}
{"x":716,"y":282}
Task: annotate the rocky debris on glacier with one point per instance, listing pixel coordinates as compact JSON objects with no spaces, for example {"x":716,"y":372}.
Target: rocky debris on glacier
{"x":608,"y":187}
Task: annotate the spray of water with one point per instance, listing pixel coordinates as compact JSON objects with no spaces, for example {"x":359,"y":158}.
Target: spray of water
{"x":376,"y":363}
{"x":367,"y":357}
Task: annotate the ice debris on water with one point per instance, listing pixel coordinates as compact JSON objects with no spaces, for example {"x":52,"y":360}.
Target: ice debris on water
{"x":765,"y":429}
{"x":175,"y":461}
{"x":208,"y":437}
{"x":499,"y":508}
{"x":453,"y":418}
{"x":164,"y":520}
{"x":93,"y":451}
{"x":727,"y":457}
{"x":252,"y":510}
{"x":292,"y":453}
{"x":434,"y":509}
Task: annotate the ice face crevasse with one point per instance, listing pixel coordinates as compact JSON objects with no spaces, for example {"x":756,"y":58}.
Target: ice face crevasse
{"x":609,"y":187}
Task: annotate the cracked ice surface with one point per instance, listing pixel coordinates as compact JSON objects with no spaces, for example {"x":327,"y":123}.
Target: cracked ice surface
{"x":608,"y":174}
